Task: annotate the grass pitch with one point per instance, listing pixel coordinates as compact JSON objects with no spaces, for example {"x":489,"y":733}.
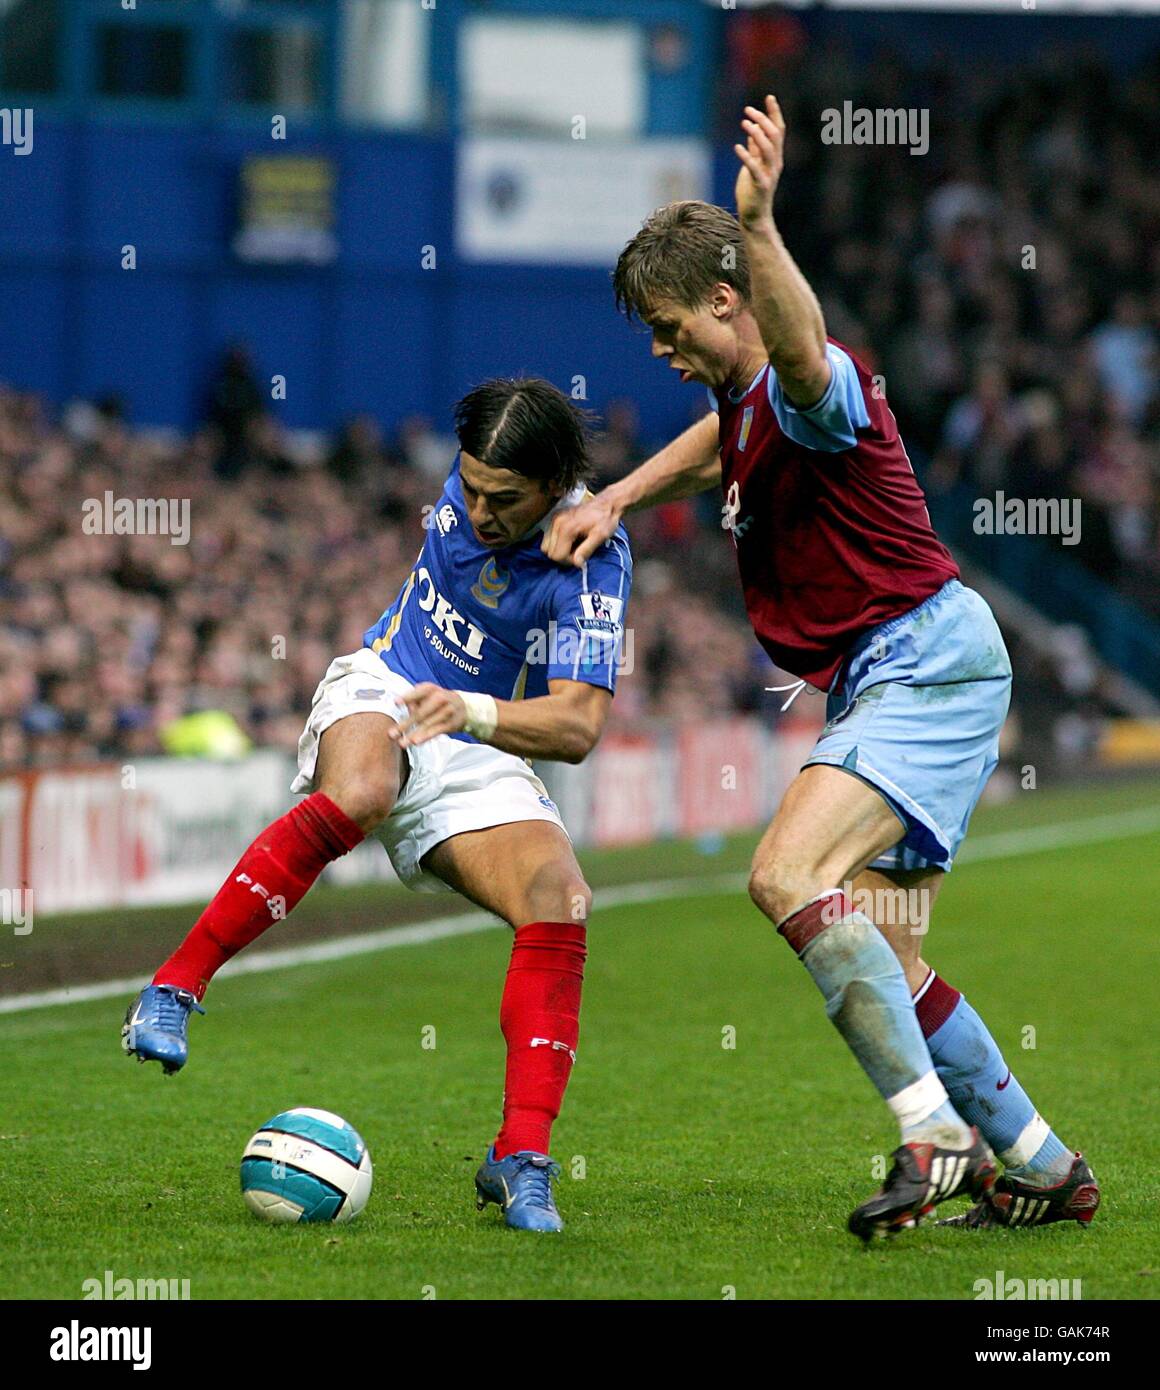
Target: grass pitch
{"x":692,"y":1169}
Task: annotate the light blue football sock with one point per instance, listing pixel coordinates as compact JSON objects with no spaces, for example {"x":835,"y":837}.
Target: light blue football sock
{"x":868,"y":1001}
{"x":984,"y":1092}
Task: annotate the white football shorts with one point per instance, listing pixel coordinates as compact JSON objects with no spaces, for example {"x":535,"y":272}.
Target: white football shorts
{"x":453,"y":786}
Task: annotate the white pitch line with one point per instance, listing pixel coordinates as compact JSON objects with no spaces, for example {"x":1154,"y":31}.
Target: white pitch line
{"x":1006,"y":844}
{"x":343,"y":947}
{"x":1095,"y":830}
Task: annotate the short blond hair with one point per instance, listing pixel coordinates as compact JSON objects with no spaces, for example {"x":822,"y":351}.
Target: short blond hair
{"x":680,"y":253}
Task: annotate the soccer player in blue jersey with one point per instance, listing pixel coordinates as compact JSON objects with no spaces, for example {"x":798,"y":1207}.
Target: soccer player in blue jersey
{"x":847,"y":587}
{"x":491,"y":655}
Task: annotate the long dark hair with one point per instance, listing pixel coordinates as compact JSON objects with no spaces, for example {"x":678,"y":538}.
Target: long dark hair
{"x":526,"y":425}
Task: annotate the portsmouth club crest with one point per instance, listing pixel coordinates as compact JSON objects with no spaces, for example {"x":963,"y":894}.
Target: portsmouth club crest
{"x":491,"y":584}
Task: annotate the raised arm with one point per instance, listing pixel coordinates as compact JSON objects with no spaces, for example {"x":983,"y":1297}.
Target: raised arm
{"x":786,"y":309}
{"x":690,"y":464}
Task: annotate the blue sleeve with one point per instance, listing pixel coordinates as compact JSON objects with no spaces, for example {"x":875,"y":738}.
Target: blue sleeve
{"x":588,"y":613}
{"x":829,"y":425}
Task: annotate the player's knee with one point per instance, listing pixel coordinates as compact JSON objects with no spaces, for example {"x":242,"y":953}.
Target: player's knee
{"x":559,"y":896}
{"x":360,"y":769}
{"x":777,"y":888}
{"x":367,"y":797}
{"x":763,"y":888}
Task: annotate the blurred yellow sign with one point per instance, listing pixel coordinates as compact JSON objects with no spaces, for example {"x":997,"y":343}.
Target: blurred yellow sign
{"x":1127,"y":742}
{"x":287,"y":209}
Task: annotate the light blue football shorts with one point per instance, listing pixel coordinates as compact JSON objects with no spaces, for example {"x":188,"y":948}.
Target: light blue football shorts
{"x":923,"y":700}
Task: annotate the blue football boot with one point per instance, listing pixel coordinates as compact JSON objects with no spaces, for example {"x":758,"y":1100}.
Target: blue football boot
{"x":155,"y":1024}
{"x":522,"y":1185}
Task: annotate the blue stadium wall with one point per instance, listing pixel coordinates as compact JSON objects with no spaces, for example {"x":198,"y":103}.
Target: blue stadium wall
{"x":372,"y":332}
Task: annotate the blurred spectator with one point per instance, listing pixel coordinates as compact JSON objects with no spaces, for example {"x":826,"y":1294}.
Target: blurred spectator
{"x":234,"y":404}
{"x":424,"y":450}
{"x":617,"y":448}
{"x":1124,"y":353}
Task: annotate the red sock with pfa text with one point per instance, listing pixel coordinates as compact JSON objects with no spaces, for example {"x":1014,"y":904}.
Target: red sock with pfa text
{"x":272,"y":877}
{"x":540,"y":1019}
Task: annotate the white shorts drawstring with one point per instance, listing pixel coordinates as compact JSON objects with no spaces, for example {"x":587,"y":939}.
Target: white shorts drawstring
{"x":796,"y":686}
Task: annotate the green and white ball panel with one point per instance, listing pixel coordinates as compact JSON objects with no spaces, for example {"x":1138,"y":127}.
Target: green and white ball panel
{"x":306,"y":1165}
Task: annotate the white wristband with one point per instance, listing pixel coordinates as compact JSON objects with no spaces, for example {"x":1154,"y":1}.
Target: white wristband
{"x":482,"y":715}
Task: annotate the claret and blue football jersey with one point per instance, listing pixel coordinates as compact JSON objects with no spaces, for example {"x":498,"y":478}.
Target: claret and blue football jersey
{"x":832,"y":532}
{"x":504,"y":622}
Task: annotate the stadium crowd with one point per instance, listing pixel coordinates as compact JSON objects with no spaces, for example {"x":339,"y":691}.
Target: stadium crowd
{"x":107,"y":640}
{"x":1005,"y":282}
{"x":1004,"y":285}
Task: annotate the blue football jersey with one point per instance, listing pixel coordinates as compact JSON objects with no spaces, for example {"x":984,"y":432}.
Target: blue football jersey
{"x":504,"y":622}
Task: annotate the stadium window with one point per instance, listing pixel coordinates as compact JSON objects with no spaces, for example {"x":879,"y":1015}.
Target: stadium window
{"x":143,"y":60}
{"x":274,"y":67}
{"x":29,"y":46}
{"x":385,"y":62}
{"x":536,"y":75}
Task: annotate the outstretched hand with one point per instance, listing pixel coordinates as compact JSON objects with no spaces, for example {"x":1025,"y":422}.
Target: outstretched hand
{"x":762,"y":158}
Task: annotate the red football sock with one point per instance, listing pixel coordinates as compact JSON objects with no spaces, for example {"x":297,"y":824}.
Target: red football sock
{"x":540,"y":1019}
{"x":268,"y":880}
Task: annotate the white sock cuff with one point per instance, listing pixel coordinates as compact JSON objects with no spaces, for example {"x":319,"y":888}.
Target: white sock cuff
{"x":918,"y":1101}
{"x":809,"y":902}
{"x":1028,"y":1144}
{"x":855,"y":913}
{"x":926,"y":984}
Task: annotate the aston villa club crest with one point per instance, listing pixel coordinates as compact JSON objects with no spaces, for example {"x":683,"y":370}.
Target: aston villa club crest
{"x":746,"y":426}
{"x":491,"y":584}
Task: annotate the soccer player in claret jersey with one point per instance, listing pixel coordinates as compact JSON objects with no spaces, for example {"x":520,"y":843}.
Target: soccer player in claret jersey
{"x":848,"y":588}
{"x":491,"y":655}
